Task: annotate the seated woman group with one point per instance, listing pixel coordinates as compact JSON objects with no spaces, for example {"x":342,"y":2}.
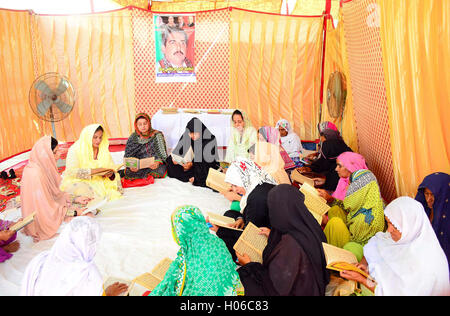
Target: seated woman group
{"x":356,"y":220}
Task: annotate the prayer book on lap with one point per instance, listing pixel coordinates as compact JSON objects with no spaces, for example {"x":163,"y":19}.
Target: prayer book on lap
{"x":131,"y":162}
{"x":216,"y":181}
{"x":339,"y":259}
{"x":148,"y":281}
{"x":106,"y":170}
{"x":183,"y":160}
{"x":298,"y":177}
{"x":19,"y":225}
{"x":251,"y":243}
{"x":221,"y":221}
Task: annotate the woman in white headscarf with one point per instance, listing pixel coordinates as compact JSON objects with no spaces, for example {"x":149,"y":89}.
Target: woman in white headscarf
{"x":68,"y":269}
{"x":254,"y":184}
{"x":407,"y":259}
{"x":290,"y":141}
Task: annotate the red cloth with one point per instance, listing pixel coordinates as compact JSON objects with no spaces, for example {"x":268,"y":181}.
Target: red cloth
{"x":131,"y":183}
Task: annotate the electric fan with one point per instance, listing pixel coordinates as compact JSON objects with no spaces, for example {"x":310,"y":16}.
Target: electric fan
{"x":52,"y":98}
{"x":336,"y":94}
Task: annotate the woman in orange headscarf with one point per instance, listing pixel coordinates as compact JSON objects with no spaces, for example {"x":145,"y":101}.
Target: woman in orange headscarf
{"x":40,"y":192}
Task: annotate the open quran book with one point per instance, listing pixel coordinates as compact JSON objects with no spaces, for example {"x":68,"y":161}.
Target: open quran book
{"x":298,"y":177}
{"x":183,"y":160}
{"x":112,"y":280}
{"x":339,"y":259}
{"x":251,"y":243}
{"x":148,"y":281}
{"x":216,"y":181}
{"x":131,"y":162}
{"x":221,"y":221}
{"x":106,"y":170}
{"x":316,"y":204}
{"x":24,"y":222}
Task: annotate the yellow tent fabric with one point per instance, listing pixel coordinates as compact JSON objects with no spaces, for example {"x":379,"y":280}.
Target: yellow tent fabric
{"x":96,"y":53}
{"x":19,"y":127}
{"x":336,"y":60}
{"x":275,"y":66}
{"x":270,"y":6}
{"x":315,"y":7}
{"x":416,"y":49}
{"x":143,"y":4}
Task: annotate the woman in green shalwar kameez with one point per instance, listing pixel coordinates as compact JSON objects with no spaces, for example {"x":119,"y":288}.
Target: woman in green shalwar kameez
{"x":204,"y":266}
{"x":357,"y":218}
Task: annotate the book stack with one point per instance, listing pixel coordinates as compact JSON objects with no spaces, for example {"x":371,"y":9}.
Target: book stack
{"x":169,"y":110}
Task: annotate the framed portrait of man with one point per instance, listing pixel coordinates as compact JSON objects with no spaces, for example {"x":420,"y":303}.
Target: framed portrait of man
{"x":174,"y":45}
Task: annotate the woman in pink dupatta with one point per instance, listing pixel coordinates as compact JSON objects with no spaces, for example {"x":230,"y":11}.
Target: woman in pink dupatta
{"x":352,"y":162}
{"x":272,"y":135}
{"x":40,"y":192}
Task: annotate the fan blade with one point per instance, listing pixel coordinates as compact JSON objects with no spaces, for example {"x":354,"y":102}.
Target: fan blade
{"x":62,"y":87}
{"x":62,"y":106}
{"x":43,"y":107}
{"x":43,"y":87}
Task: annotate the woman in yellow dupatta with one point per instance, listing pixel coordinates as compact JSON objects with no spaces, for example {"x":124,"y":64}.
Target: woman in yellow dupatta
{"x":87,"y":156}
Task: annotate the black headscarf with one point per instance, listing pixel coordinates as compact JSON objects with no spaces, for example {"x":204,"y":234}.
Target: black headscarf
{"x":289,"y":215}
{"x":205,"y":148}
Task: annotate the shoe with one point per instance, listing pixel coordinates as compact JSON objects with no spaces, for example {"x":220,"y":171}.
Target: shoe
{"x":12,"y":174}
{"x":4,"y":175}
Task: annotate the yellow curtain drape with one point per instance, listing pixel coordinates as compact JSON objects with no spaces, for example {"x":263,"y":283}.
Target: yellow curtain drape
{"x":416,"y":49}
{"x":143,"y":4}
{"x":336,"y":60}
{"x":95,"y":52}
{"x":275,"y":67}
{"x":19,"y":127}
{"x":315,"y":7}
{"x":270,"y":6}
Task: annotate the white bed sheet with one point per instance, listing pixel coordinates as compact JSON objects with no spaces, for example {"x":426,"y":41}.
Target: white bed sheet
{"x":136,"y":231}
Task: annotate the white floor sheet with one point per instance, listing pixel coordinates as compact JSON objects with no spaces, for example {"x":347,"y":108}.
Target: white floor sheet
{"x":136,"y":231}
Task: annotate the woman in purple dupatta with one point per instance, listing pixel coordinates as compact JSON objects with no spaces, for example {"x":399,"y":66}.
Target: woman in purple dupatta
{"x":7,"y":241}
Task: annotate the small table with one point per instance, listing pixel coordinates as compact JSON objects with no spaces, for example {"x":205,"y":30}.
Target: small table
{"x":174,"y":125}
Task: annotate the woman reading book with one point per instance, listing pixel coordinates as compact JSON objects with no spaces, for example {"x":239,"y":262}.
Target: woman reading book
{"x":290,"y":141}
{"x":68,"y":269}
{"x":199,"y":142}
{"x":293,"y":260}
{"x":146,"y":142}
{"x":40,"y":192}
{"x":203,"y":266}
{"x":253,"y":184}
{"x":434,"y":194}
{"x":272,"y":135}
{"x":359,"y":216}
{"x":324,"y":161}
{"x":90,"y":167}
{"x":243,"y":135}
{"x":407,"y":259}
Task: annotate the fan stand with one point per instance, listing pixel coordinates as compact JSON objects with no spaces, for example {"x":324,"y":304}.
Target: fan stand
{"x":54,"y":97}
